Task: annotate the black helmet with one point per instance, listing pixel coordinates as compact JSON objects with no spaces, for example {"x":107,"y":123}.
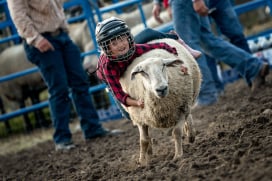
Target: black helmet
{"x":110,"y":29}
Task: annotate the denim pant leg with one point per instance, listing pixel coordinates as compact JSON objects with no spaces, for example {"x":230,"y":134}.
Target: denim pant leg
{"x":51,"y":65}
{"x":212,"y":64}
{"x":243,"y":62}
{"x":228,"y":23}
{"x":149,"y":34}
{"x":187,"y":25}
{"x":78,"y":82}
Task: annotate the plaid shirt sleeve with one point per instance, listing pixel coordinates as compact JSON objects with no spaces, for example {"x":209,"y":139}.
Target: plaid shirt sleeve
{"x":109,"y":73}
{"x":112,"y":75}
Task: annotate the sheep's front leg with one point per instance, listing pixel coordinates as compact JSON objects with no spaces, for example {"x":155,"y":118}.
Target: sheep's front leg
{"x":177,"y":136}
{"x":188,"y":129}
{"x":145,"y":145}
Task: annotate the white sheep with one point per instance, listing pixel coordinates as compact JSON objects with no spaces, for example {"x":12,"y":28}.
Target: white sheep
{"x":168,"y":94}
{"x":13,"y":59}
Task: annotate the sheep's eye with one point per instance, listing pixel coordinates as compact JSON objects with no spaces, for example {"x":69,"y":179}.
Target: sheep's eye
{"x":143,"y":73}
{"x":163,"y":67}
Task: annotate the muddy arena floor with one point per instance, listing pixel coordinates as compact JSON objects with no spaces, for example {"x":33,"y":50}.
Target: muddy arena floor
{"x":233,"y":142}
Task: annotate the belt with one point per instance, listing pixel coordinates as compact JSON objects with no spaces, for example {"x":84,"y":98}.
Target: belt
{"x":54,"y":33}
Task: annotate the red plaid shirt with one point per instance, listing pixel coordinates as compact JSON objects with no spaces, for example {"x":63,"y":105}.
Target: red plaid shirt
{"x":110,"y":71}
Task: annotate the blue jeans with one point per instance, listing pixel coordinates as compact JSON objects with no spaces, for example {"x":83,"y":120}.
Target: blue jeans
{"x":195,"y":30}
{"x":228,"y":23}
{"x":187,"y":25}
{"x":62,"y":71}
{"x":219,"y":83}
{"x":149,"y":34}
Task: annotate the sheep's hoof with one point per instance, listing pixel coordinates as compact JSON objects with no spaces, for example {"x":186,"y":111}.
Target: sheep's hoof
{"x":143,"y":162}
{"x":138,"y":163}
{"x":189,"y":132}
{"x":144,"y":159}
{"x":154,"y":141}
{"x":191,"y":139}
{"x":177,"y":157}
{"x":192,"y":135}
{"x":149,"y":150}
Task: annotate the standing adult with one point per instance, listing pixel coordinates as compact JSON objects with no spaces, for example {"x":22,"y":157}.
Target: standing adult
{"x":194,"y":28}
{"x":42,"y":25}
{"x":228,"y":24}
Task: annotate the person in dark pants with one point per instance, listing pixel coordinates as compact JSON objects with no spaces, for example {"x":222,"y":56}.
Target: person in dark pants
{"x":193,"y":26}
{"x":42,"y":25}
{"x":227,"y":23}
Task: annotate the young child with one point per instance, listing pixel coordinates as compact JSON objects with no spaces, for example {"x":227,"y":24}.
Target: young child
{"x":119,"y":50}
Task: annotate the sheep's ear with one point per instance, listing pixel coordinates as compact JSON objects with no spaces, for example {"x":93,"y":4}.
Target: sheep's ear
{"x":172,"y":61}
{"x":134,"y":71}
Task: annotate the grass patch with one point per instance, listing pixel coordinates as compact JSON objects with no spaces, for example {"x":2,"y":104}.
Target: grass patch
{"x":17,"y":124}
{"x":17,"y":142}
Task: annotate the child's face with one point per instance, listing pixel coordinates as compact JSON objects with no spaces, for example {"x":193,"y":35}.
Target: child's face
{"x":119,"y":46}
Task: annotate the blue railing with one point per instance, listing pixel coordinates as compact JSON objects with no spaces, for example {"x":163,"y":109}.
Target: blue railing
{"x":8,"y":24}
{"x":249,"y":6}
{"x":89,"y":13}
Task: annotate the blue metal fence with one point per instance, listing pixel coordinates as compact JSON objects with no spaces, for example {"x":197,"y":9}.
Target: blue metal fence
{"x":90,"y":13}
{"x":8,"y":24}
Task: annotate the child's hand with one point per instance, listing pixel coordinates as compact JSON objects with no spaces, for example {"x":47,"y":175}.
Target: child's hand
{"x":140,"y":103}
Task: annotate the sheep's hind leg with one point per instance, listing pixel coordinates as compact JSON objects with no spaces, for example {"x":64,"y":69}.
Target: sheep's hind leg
{"x":177,"y":135}
{"x":145,"y":145}
{"x":188,"y":129}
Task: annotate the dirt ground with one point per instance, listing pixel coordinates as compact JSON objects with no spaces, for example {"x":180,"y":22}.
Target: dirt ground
{"x":234,"y":142}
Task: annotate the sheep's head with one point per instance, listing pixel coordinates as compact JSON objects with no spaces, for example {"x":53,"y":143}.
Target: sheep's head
{"x":153,"y":71}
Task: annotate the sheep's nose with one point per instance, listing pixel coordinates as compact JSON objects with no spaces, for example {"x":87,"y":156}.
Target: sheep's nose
{"x":162,"y":91}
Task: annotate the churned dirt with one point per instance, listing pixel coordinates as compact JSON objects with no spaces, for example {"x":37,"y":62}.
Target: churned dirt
{"x":233,"y":142}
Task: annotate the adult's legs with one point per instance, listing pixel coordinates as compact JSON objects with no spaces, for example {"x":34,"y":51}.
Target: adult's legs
{"x":78,"y":82}
{"x":187,"y":25}
{"x":212,"y":64}
{"x":247,"y":65}
{"x":228,"y":23}
{"x":53,"y":71}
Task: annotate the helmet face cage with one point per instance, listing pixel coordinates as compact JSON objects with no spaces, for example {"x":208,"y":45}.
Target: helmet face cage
{"x":104,"y":45}
{"x":114,"y":29}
